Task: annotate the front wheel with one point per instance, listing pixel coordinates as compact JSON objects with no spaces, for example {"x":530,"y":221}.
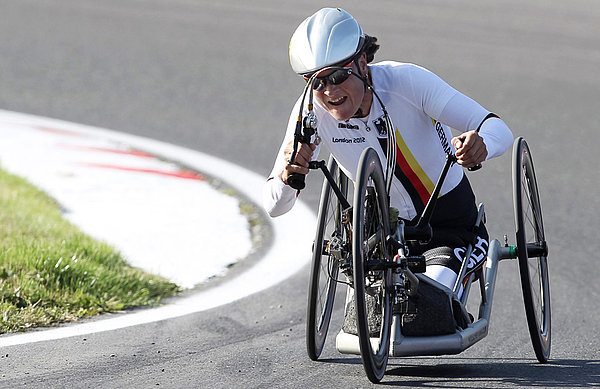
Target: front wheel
{"x":532,"y":250}
{"x":372,"y":279}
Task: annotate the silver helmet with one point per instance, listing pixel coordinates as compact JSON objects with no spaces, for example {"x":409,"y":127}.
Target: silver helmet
{"x":328,"y":37}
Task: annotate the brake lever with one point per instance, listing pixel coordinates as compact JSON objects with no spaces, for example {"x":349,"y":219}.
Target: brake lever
{"x":305,"y":129}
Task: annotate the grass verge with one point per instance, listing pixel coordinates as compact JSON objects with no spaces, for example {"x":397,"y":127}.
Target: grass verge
{"x":51,"y":272}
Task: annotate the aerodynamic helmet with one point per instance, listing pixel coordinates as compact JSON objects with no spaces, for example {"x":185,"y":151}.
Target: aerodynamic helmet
{"x":327,"y":38}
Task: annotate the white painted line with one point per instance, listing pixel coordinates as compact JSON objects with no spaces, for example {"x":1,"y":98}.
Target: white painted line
{"x":278,"y":264}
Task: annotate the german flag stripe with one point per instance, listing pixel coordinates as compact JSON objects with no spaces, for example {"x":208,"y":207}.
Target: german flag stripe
{"x":411,"y":168}
{"x":410,"y":174}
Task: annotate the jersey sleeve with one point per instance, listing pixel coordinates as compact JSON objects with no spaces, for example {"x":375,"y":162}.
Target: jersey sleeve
{"x":278,"y":198}
{"x":496,"y":135}
{"x":465,"y":114}
{"x":444,"y":103}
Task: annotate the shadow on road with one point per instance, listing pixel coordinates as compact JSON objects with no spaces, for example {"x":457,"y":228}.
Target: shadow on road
{"x":564,"y":373}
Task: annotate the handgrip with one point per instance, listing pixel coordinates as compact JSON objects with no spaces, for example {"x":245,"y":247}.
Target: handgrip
{"x":308,"y":126}
{"x":296,"y":181}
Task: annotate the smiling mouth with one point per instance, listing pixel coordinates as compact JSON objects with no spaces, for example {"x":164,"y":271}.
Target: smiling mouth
{"x":339,"y":101}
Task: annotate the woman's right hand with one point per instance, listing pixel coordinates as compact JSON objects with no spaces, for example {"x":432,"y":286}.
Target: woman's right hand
{"x":300,"y":165}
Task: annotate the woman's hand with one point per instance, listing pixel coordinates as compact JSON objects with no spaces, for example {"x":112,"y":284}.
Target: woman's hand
{"x":300,"y":165}
{"x":470,"y":149}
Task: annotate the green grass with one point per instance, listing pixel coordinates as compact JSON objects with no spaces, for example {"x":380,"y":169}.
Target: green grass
{"x":50,"y":272}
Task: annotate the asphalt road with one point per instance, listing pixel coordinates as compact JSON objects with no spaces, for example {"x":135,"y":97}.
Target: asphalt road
{"x":213,"y":76}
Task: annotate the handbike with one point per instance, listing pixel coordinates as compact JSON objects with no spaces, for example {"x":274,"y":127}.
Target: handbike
{"x":369,"y":248}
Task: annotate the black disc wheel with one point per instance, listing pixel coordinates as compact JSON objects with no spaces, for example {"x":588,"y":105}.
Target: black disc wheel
{"x":532,"y":250}
{"x":329,"y":247}
{"x":372,"y":279}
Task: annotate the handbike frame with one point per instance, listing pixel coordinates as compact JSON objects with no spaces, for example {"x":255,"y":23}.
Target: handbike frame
{"x":405,"y":282}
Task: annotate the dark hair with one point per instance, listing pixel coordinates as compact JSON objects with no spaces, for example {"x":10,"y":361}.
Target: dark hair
{"x":370,"y":47}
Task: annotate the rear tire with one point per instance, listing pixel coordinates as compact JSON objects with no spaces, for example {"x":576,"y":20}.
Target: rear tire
{"x":531,"y":250}
{"x":325,"y":268}
{"x":372,"y":282}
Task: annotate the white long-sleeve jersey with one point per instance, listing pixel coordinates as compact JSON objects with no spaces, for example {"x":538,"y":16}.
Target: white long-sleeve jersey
{"x":423,"y":109}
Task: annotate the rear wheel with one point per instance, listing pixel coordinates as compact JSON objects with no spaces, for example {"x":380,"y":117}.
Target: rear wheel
{"x":372,"y":280}
{"x":532,"y":250}
{"x":331,"y":238}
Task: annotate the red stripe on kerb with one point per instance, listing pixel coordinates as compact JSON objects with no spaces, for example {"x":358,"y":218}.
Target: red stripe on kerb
{"x":57,"y":131}
{"x":412,"y":177}
{"x":185,"y":174}
{"x":135,"y":153}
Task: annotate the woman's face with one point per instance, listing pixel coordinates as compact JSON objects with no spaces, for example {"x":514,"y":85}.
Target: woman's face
{"x":342,"y":101}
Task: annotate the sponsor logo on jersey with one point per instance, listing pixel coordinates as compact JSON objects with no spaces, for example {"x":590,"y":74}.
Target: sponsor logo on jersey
{"x":348,"y":126}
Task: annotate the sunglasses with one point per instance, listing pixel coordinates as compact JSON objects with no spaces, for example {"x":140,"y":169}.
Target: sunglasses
{"x":335,"y":78}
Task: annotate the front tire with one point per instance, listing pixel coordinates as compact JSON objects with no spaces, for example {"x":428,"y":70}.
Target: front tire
{"x":372,"y":281}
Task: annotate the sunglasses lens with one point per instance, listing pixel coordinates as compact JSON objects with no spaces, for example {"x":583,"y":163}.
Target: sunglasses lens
{"x":319,"y":83}
{"x":339,"y":76}
{"x":334,"y":78}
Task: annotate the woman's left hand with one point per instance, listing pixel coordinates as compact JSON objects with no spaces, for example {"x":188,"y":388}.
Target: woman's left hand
{"x":470,"y":149}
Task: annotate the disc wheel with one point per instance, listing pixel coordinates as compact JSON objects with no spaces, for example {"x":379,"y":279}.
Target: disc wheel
{"x":532,"y":250}
{"x":372,"y":281}
{"x":330,"y":236}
